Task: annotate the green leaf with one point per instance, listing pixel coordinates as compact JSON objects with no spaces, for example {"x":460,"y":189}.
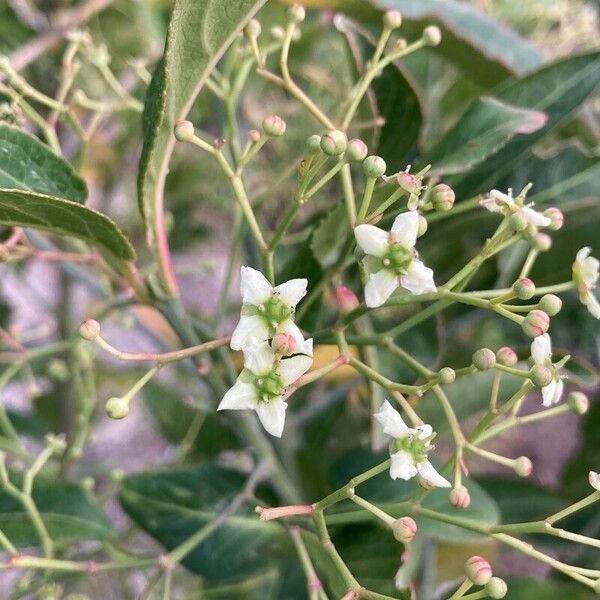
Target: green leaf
{"x":486,"y":127}
{"x":329,"y":237}
{"x":20,"y":208}
{"x":198,"y":36}
{"x":27,"y":164}
{"x":172,"y":505}
{"x":66,"y":509}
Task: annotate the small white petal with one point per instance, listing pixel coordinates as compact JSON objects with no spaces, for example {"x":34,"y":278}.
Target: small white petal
{"x":240,"y":397}
{"x":406,"y":228}
{"x":254,"y":286}
{"x":380,"y":286}
{"x":490,"y":204}
{"x":592,"y":305}
{"x":289,"y":327}
{"x":391,"y":421}
{"x":402,"y":466}
{"x":423,"y":431}
{"x":418,"y":279}
{"x":272,"y":415}
{"x":541,"y":349}
{"x":292,"y":291}
{"x":307,"y":347}
{"x":583,"y":254}
{"x":589,"y":271}
{"x":431,"y":476}
{"x":248,"y":329}
{"x":552,"y":392}
{"x":594,"y":479}
{"x":289,"y":369}
{"x":258,"y":357}
{"x":501,"y":197}
{"x":371,"y":239}
{"x":536,"y":218}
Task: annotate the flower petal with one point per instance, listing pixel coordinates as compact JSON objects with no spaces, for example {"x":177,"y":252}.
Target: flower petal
{"x":258,"y":357}
{"x":592,"y":304}
{"x":248,"y":329}
{"x":406,"y":228}
{"x":272,"y":415}
{"x":289,"y":369}
{"x":289,"y":327}
{"x":391,"y":421}
{"x":501,"y":197}
{"x":402,"y":466}
{"x":552,"y":392}
{"x":307,"y":347}
{"x":535,"y":217}
{"x":380,"y":286}
{"x":418,"y":279}
{"x":431,"y":476}
{"x":371,"y":239}
{"x":254,"y":286}
{"x":239,"y":397}
{"x":594,"y":479}
{"x":292,"y":291}
{"x":541,"y":349}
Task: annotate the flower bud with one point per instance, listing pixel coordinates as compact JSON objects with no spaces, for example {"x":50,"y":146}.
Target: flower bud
{"x":284,"y":344}
{"x":550,"y":304}
{"x":460,"y":497}
{"x":522,"y":466}
{"x":184,"y":131}
{"x":346,"y":299}
{"x":540,"y":375}
{"x":334,"y":142}
{"x":274,"y":126}
{"x":423,"y":226}
{"x":484,"y":359}
{"x":252,"y":29}
{"x":356,"y":150}
{"x":518,"y":221}
{"x":535,"y":323}
{"x":117,"y":408}
{"x":404,"y":529}
{"x":89,"y":329}
{"x":58,"y":370}
{"x":392,"y":19}
{"x":277,"y":33}
{"x":442,"y":197}
{"x":496,"y":588}
{"x":432,"y":35}
{"x":295,"y":13}
{"x":594,"y":479}
{"x":254,"y":135}
{"x":447,"y":375}
{"x":507,"y":356}
{"x":542,"y":242}
{"x":374,"y":166}
{"x":313,"y":144}
{"x":409,"y":183}
{"x":478,"y":570}
{"x":524,"y":288}
{"x":556,"y":216}
{"x":578,"y":402}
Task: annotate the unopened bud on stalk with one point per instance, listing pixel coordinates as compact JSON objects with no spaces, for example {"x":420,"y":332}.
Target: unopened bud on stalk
{"x":296,"y":13}
{"x":432,"y":35}
{"x":518,"y":221}
{"x":254,"y":135}
{"x":507,"y":356}
{"x":540,"y":376}
{"x":496,"y":588}
{"x":392,"y":19}
{"x":252,"y":29}
{"x":374,"y":166}
{"x":346,"y":299}
{"x":578,"y":402}
{"x":478,"y":570}
{"x":550,"y":304}
{"x":484,"y":359}
{"x":117,"y":408}
{"x":184,"y":131}
{"x":404,"y":529}
{"x":542,"y":242}
{"x":334,"y":142}
{"x":89,"y":329}
{"x":442,"y":197}
{"x":313,"y":144}
{"x":277,"y":33}
{"x":447,"y":375}
{"x":460,"y":497}
{"x":524,"y":288}
{"x":535,"y":323}
{"x":423,"y":225}
{"x":356,"y":150}
{"x":523,"y":468}
{"x":274,"y":126}
{"x":284,"y":344}
{"x":556,"y":216}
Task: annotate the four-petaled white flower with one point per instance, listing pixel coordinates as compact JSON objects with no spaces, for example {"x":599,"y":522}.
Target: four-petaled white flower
{"x":391,"y":260}
{"x":585,"y":276}
{"x":261,"y":384}
{"x":541,"y":352}
{"x":496,"y":201}
{"x":594,"y":479}
{"x":409,"y":448}
{"x":268,"y":310}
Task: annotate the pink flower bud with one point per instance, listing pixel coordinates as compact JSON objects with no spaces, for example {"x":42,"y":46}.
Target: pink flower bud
{"x":392,"y":19}
{"x":284,"y":344}
{"x":184,"y":131}
{"x":356,"y":150}
{"x":524,"y":288}
{"x":296,"y":13}
{"x":374,"y":166}
{"x":542,"y":242}
{"x":447,"y":375}
{"x":274,"y":126}
{"x":556,"y":216}
{"x":523,"y":466}
{"x":507,"y":356}
{"x":484,"y":359}
{"x":442,"y":197}
{"x":334,"y":142}
{"x":536,"y":323}
{"x":89,"y":329}
{"x":578,"y":402}
{"x":550,"y":304}
{"x":460,"y":497}
{"x":346,"y":299}
{"x":496,"y":588}
{"x":540,"y":375}
{"x":404,"y":529}
{"x":478,"y":570}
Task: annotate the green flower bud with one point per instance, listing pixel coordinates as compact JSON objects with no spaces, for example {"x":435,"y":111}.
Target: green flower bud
{"x":518,"y":221}
{"x":423,"y":226}
{"x":277,"y":33}
{"x":542,"y":242}
{"x":89,"y":329}
{"x":334,"y":142}
{"x":523,"y":468}
{"x":550,"y":304}
{"x":252,"y":29}
{"x":442,"y":197}
{"x":313,"y":144}
{"x":374,"y":166}
{"x":392,"y":19}
{"x":295,"y":13}
{"x":524,"y":288}
{"x":484,"y":359}
{"x":540,"y":375}
{"x":184,"y":131}
{"x":507,"y":356}
{"x":478,"y":570}
{"x":460,"y":497}
{"x":496,"y":588}
{"x":578,"y":403}
{"x":356,"y":150}
{"x":432,"y":35}
{"x":404,"y":529}
{"x":58,"y":370}
{"x":274,"y":126}
{"x":535,"y":323}
{"x":556,"y":216}
{"x":447,"y":375}
{"x":117,"y":408}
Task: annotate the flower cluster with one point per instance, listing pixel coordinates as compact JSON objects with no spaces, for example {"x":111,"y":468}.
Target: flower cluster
{"x":498,"y":202}
{"x":585,"y":276}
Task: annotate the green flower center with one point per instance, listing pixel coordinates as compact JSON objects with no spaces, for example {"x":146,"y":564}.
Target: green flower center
{"x":274,"y":312}
{"x":397,"y":258}
{"x":414,"y":446}
{"x":268,"y":386}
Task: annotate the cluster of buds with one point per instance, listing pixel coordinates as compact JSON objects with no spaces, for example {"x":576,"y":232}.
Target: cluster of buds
{"x":479,"y":572}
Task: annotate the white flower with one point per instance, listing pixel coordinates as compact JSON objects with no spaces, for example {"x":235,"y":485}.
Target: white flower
{"x":541,"y":352}
{"x":410,"y":446}
{"x":268,"y":310}
{"x":260,"y":386}
{"x":585,"y":276}
{"x":595,"y":480}
{"x":391,"y":259}
{"x":496,"y":201}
